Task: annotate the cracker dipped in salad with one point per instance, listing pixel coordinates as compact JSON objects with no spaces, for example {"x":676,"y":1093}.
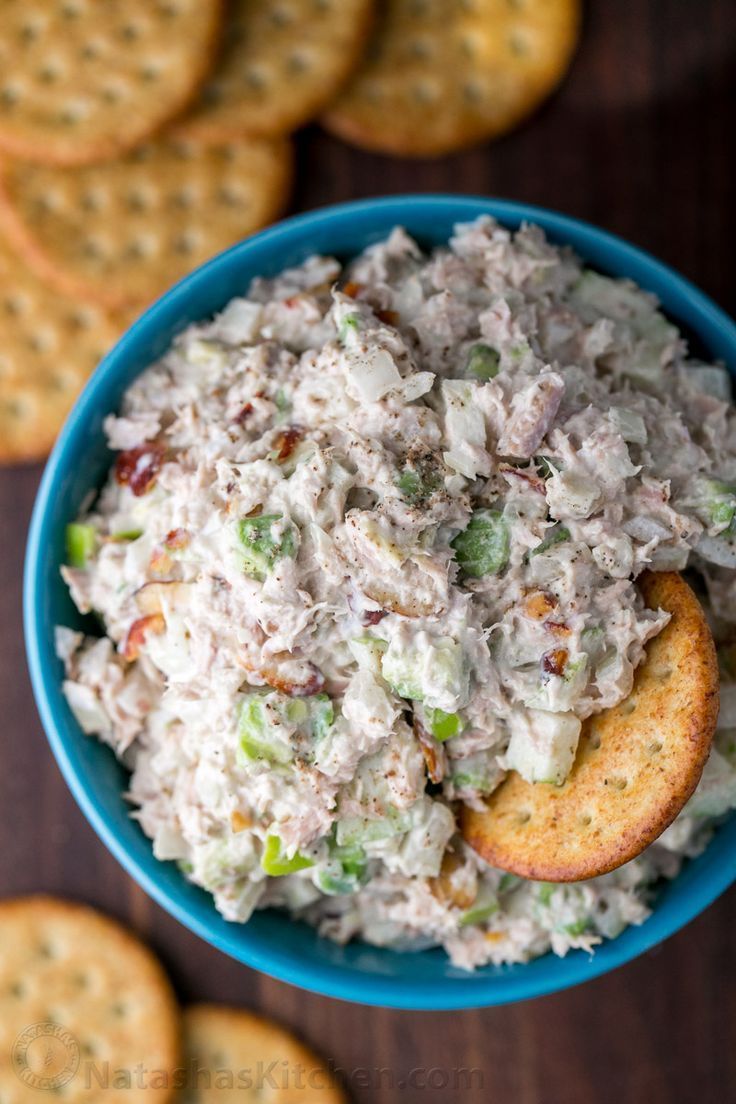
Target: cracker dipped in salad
{"x":369,"y":547}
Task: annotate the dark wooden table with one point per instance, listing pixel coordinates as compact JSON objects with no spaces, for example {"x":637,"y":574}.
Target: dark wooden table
{"x":641,"y":140}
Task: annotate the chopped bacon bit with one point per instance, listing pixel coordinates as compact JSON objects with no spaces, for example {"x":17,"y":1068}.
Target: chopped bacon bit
{"x":244,"y":414}
{"x":160,"y":563}
{"x":287,"y":441}
{"x":153,"y":623}
{"x":559,"y":628}
{"x":176,"y":539}
{"x":538,"y":604}
{"x":351,"y":289}
{"x":390,"y":317}
{"x":553,"y":663}
{"x":239,"y":822}
{"x":138,"y":467}
{"x":433,"y":752}
{"x":292,"y":301}
{"x":372,"y":617}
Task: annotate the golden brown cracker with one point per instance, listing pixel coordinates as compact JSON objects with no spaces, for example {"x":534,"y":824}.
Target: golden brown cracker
{"x":443,"y":74}
{"x":636,"y":765}
{"x":48,"y":347}
{"x":81,"y":998}
{"x":249,"y":1059}
{"x":82,"y":81}
{"x":120,"y":233}
{"x":282,"y":62}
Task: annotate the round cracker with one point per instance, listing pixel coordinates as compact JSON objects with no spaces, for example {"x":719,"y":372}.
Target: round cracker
{"x":49,"y":345}
{"x":81,"y":81}
{"x":636,"y":764}
{"x":121,"y":232}
{"x":282,"y":62}
{"x":443,"y":74}
{"x":251,"y":1059}
{"x":79,"y":993}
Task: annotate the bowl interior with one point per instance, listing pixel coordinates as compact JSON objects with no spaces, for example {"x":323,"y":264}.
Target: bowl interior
{"x":270,"y":941}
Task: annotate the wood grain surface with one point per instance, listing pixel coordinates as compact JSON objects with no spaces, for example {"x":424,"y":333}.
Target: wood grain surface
{"x":640,"y":139}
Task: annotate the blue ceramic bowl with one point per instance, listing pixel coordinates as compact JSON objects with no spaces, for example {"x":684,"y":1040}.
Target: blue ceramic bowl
{"x":270,"y":941}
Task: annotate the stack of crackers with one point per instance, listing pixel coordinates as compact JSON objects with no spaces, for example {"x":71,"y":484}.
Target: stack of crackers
{"x":87,"y":1014}
{"x":140,"y":137}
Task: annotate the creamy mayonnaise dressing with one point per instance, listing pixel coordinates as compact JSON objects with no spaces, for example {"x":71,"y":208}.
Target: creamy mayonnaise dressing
{"x":369,"y":542}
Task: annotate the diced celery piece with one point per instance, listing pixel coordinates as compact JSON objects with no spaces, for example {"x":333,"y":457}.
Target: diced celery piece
{"x":127,"y":535}
{"x":330,"y":880}
{"x":345,"y":870}
{"x":475,"y":772}
{"x":81,"y":543}
{"x":443,"y":726}
{"x":367,"y":651}
{"x":431,"y":670}
{"x":483,"y":362}
{"x":508,"y":882}
{"x":470,"y":780}
{"x":353,"y":860}
{"x":260,"y":549}
{"x":275,"y":863}
{"x":258,"y":736}
{"x":484,"y":906}
{"x":555,"y":537}
{"x":483,"y":547}
{"x":282,"y":401}
{"x":297,"y":711}
{"x":322,"y":715}
{"x":401,"y":669}
{"x":360,"y":830}
{"x":350,"y":324}
{"x":578,"y":927}
{"x":719,"y":504}
{"x":546,"y":889}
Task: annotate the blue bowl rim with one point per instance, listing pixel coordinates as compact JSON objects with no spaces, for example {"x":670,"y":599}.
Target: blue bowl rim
{"x":328,"y":980}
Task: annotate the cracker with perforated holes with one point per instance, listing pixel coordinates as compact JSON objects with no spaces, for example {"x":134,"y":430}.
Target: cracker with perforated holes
{"x":635,"y":767}
{"x":49,"y":344}
{"x":79,"y":994}
{"x":250,"y":1059}
{"x":440,"y":75}
{"x":282,"y":62}
{"x":82,"y":81}
{"x":121,"y":232}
